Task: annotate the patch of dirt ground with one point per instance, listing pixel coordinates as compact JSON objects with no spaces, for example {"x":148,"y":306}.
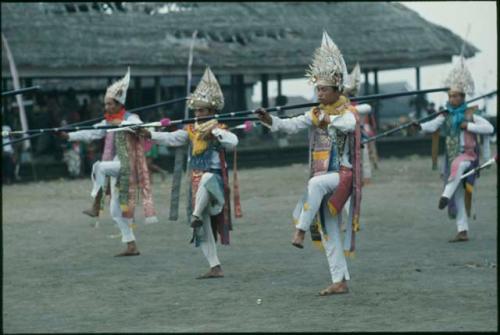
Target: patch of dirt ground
{"x":59,"y":273}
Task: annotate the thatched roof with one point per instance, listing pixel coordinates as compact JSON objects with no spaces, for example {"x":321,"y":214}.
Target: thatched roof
{"x":247,"y":38}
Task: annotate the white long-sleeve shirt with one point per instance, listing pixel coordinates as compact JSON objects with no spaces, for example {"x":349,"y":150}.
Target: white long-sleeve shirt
{"x":346,"y":123}
{"x":479,"y":125}
{"x":7,"y":147}
{"x":95,"y":134}
{"x":180,"y":137}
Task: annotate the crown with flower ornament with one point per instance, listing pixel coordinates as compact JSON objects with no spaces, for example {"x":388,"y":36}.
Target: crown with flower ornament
{"x":459,"y":79}
{"x":207,"y":94}
{"x":354,"y":81}
{"x":328,"y":67}
{"x":118,"y":90}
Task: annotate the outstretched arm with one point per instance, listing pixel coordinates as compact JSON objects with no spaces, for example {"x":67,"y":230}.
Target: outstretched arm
{"x":132,"y":119}
{"x":87,"y":135}
{"x":433,"y":125}
{"x":479,"y":125}
{"x":226,"y":138}
{"x":174,"y":139}
{"x":291,"y":125}
{"x":345,"y":123}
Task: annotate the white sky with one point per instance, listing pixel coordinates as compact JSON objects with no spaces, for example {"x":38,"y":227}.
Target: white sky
{"x":454,"y":15}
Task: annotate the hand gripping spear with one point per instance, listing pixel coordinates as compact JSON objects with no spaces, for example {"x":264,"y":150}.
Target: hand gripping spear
{"x":486,"y":164}
{"x":80,"y":125}
{"x":423,"y":119}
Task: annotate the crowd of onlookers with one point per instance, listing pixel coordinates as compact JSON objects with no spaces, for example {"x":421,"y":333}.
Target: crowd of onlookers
{"x":50,"y":110}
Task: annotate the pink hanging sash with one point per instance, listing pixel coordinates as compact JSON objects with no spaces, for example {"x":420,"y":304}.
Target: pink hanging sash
{"x":109,"y":147}
{"x":343,"y":191}
{"x":469,"y":153}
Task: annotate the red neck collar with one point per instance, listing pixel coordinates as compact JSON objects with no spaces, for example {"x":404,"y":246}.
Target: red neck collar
{"x":117,"y":116}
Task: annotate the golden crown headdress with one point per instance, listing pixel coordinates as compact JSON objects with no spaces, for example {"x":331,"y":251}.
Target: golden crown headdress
{"x":459,"y":79}
{"x":328,"y":67}
{"x":207,"y":94}
{"x":354,"y":81}
{"x":118,"y":90}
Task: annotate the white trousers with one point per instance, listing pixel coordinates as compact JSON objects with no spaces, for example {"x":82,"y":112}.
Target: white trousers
{"x":366,"y":164}
{"x":99,"y":172}
{"x":454,"y":186}
{"x":332,"y":243}
{"x":317,"y":188}
{"x":201,"y":210}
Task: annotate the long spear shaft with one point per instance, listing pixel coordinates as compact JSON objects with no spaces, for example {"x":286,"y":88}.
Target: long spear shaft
{"x":397,"y":94}
{"x":38,"y":132}
{"x":289,"y":107}
{"x":219,"y":117}
{"x":20,"y":91}
{"x":487,"y":95}
{"x":157,"y":105}
{"x":251,"y":118}
{"x":311,"y":104}
{"x":487,"y":163}
{"x":365,"y":108}
{"x":62,"y":128}
{"x":425,"y":118}
{"x":247,"y":112}
{"x":403,"y":126}
{"x":135,"y":110}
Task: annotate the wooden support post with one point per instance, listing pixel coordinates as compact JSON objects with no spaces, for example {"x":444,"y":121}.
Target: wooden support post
{"x":234,"y":93}
{"x":376,"y":89}
{"x":28,"y":82}
{"x":158,"y":95}
{"x":278,"y":79}
{"x":419,"y":97}
{"x":241,"y":96}
{"x":158,"y":90}
{"x":367,"y":84}
{"x":138,"y":92}
{"x":265,"y":98}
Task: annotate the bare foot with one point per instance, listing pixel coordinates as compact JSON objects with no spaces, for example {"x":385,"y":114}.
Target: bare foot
{"x":335,"y":288}
{"x":91,"y":212}
{"x":461,"y":237}
{"x":196,"y":222}
{"x":298,"y":238}
{"x":443,"y":202}
{"x":215,"y":272}
{"x":131,"y":250}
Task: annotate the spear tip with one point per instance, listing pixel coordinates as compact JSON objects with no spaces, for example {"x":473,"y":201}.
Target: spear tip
{"x":248,"y":126}
{"x":165,"y":122}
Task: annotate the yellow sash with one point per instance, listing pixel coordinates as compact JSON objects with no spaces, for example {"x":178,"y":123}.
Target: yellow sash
{"x":339,"y":107}
{"x":195,"y":132}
